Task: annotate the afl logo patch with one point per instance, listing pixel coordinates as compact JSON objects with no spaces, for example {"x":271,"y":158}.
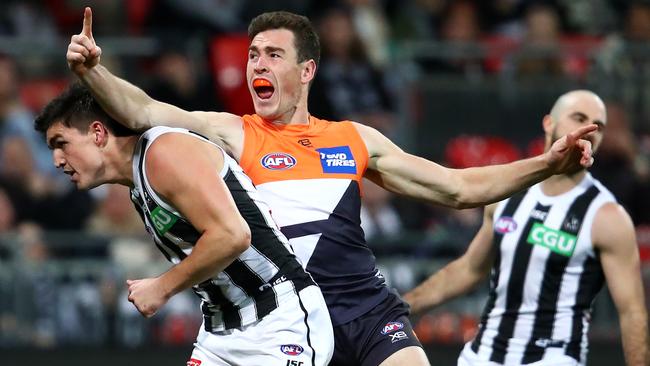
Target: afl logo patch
{"x":505,"y":224}
{"x":291,"y":349}
{"x":278,"y":161}
{"x":391,"y":327}
{"x":194,"y":362}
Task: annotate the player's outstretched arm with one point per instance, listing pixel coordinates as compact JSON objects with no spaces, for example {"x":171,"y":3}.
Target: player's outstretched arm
{"x":409,"y":175}
{"x":185,"y":173}
{"x":614,"y":237}
{"x":461,"y":275}
{"x":130,"y":105}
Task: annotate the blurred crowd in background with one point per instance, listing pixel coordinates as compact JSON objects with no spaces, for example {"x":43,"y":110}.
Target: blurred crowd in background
{"x":381,"y":62}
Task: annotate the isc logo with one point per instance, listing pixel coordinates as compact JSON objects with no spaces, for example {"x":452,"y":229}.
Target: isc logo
{"x":294,"y":363}
{"x":278,"y":161}
{"x":505,"y":225}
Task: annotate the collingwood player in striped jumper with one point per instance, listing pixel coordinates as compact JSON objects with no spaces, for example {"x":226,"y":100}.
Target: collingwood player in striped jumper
{"x":259,"y":306}
{"x":548,"y":251}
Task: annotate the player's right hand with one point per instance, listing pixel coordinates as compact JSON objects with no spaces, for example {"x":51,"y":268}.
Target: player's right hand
{"x":572,"y":152}
{"x":83,"y":53}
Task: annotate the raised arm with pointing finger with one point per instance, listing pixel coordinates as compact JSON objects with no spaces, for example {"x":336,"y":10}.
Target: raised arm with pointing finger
{"x":130,"y":105}
{"x":309,"y":170}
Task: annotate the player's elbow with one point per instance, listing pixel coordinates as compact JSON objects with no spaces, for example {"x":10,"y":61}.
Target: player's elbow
{"x":466,"y":195}
{"x":633,"y":311}
{"x":459,"y":200}
{"x":244,"y":240}
{"x":228,"y":243}
{"x":461,"y":204}
{"x":455,"y":192}
{"x":240,"y":240}
{"x":143,"y":121}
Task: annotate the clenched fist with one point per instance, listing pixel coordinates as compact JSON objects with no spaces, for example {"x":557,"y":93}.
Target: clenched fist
{"x":147,"y":295}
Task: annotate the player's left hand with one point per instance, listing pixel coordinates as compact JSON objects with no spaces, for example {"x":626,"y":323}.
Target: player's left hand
{"x":83,"y":53}
{"x":571,"y":152}
{"x":147,"y":295}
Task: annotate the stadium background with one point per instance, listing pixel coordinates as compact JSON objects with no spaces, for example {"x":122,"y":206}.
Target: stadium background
{"x":464,"y":83}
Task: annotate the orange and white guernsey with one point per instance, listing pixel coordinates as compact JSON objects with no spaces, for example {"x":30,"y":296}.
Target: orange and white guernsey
{"x":310,"y":176}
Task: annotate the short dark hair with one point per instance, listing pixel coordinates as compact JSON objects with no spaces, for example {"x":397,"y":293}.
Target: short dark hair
{"x":76,"y":107}
{"x":305,"y":37}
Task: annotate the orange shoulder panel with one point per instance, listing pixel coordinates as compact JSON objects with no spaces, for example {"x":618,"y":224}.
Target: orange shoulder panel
{"x":320,"y":149}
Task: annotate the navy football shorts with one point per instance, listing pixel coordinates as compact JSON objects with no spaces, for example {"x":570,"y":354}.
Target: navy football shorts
{"x":371,"y":338}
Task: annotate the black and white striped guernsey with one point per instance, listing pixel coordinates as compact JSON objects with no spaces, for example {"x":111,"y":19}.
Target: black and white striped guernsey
{"x":258,"y":280}
{"x":545,"y":276}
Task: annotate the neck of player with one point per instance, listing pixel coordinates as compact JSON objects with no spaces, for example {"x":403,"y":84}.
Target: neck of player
{"x":298,"y":114}
{"x":562,"y":183}
{"x":119,"y":157}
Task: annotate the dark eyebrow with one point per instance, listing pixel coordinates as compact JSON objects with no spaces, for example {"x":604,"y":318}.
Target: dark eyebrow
{"x":580,"y":115}
{"x":584,"y":116}
{"x":270,"y":49}
{"x":52,"y":140}
{"x":267,"y":49}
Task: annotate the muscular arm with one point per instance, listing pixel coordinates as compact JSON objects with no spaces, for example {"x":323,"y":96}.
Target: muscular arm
{"x":131,"y":106}
{"x":409,"y":175}
{"x":613,"y":236}
{"x":459,"y":276}
{"x":185,"y":173}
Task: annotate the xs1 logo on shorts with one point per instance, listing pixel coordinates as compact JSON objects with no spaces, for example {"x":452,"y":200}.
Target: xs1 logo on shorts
{"x":398,"y":336}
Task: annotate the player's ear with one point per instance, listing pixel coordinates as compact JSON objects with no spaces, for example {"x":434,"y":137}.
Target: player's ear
{"x":99,"y":133}
{"x":547,"y":124}
{"x":308,"y":71}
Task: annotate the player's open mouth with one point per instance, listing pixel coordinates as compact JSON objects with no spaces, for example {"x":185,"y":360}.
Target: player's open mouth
{"x":71,"y":173}
{"x":263,"y":88}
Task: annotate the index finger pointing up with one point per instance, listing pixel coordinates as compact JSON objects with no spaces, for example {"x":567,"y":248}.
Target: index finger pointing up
{"x":582,"y":131}
{"x":88,"y":23}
